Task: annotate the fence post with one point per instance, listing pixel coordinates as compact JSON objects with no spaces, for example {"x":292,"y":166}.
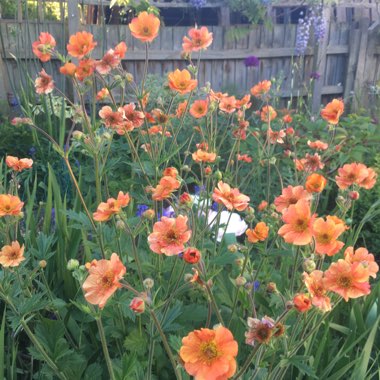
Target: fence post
{"x":321,"y":57}
{"x":360,"y":74}
{"x":73,"y":13}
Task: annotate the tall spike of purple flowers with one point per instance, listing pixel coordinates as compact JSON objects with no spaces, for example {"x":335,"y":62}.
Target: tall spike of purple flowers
{"x":303,"y":34}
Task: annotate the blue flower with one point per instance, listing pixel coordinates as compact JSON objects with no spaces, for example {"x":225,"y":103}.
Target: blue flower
{"x":256,"y":285}
{"x":141,"y":209}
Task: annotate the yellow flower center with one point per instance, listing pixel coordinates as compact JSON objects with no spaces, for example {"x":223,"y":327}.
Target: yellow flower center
{"x":209,"y":351}
{"x":107,"y":279}
{"x":300,"y":225}
{"x":324,"y":238}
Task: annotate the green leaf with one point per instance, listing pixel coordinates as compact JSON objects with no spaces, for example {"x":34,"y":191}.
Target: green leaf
{"x":2,"y":347}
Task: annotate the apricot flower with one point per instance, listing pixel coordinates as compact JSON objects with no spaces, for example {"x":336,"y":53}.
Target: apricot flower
{"x":44,"y":46}
{"x":103,"y":280}
{"x":290,"y":195}
{"x":209,"y":354}
{"x":44,"y":84}
{"x":181,"y":81}
{"x":18,"y":164}
{"x":259,"y":233}
{"x":169,"y":236}
{"x":260,"y":89}
{"x":10,"y":205}
{"x":362,"y":256}
{"x":113,"y":206}
{"x":325,"y":233}
{"x":12,"y":255}
{"x":200,"y":39}
{"x":315,"y":283}
{"x":230,"y":197}
{"x":145,"y":27}
{"x":81,"y":44}
{"x":333,"y":111}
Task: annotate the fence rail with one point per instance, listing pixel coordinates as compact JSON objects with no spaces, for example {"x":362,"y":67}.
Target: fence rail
{"x":347,"y":60}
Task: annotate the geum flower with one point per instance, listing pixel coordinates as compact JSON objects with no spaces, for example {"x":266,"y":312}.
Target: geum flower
{"x":181,"y":82}
{"x":209,"y":354}
{"x":85,"y":69}
{"x":355,"y":173}
{"x":325,"y":233}
{"x":298,"y":220}
{"x":302,"y":302}
{"x":81,"y":44}
{"x":362,"y":256}
{"x":167,"y":185}
{"x":315,"y":183}
{"x":10,"y":205}
{"x":261,"y":89}
{"x":44,"y":46}
{"x":12,"y":255}
{"x":145,"y":27}
{"x":113,"y":206}
{"x":260,"y":331}
{"x":110,"y":118}
{"x":268,"y":114}
{"x":228,"y":104}
{"x":169,"y":236}
{"x":203,"y":156}
{"x":133,"y":117}
{"x":315,"y":283}
{"x":103,"y":280}
{"x":317,"y":145}
{"x":200,"y":39}
{"x":333,"y":111}
{"x":111,"y":59}
{"x":231,"y":198}
{"x":18,"y":164}
{"x":44,"y":84}
{"x":310,"y":163}
{"x":290,"y":195}
{"x":349,"y":280}
{"x":259,"y":233}
{"x":199,"y":108}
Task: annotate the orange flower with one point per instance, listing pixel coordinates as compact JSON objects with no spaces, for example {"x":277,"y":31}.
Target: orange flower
{"x":244,"y":157}
{"x":310,"y":163}
{"x":120,"y":49}
{"x":325,"y":234}
{"x":351,"y":174}
{"x":333,"y":111}
{"x":370,"y":180}
{"x":44,"y":84}
{"x":110,"y":118}
{"x":231,"y":198}
{"x":287,"y":119}
{"x":276,"y":136}
{"x":44,"y":46}
{"x":85,"y":69}
{"x":17,"y":164}
{"x":315,"y":183}
{"x":137,"y":305}
{"x":200,"y":39}
{"x":260,"y":89}
{"x":217,"y":96}
{"x":68,"y":69}
{"x":181,"y":81}
{"x":290,"y":195}
{"x":160,"y":116}
{"x":203,"y":156}
{"x":318,"y":145}
{"x":191,"y":255}
{"x":169,"y":236}
{"x":302,"y":302}
{"x":10,"y":205}
{"x":170,"y":171}
{"x":181,"y":109}
{"x":260,"y":331}
{"x":228,"y":104}
{"x":103,"y":280}
{"x":315,"y":283}
{"x":102,"y":94}
{"x":109,"y":61}
{"x":298,"y":222}
{"x":362,"y":256}
{"x":81,"y":44}
{"x":12,"y":255}
{"x":259,"y":233}
{"x":348,"y":280}
{"x":145,"y":27}
{"x":244,"y":102}
{"x":199,"y":109}
{"x":262,"y":206}
{"x":113,"y":206}
{"x":165,"y":187}
{"x":209,"y":354}
{"x":268,"y":114}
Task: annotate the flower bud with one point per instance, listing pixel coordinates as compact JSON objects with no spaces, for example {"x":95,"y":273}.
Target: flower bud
{"x":240,"y":281}
{"x":148,"y":283}
{"x":186,"y":168}
{"x":272,"y":287}
{"x":137,"y":305}
{"x":149,"y":214}
{"x":185,"y":199}
{"x":120,"y":225}
{"x":188,"y":277}
{"x":192,"y":255}
{"x":239,"y":262}
{"x":302,"y":302}
{"x":218,"y":175}
{"x":309,"y":265}
{"x":208,"y":170}
{"x":78,"y":135}
{"x":72,"y":264}
{"x":289,"y":131}
{"x":289,"y":305}
{"x":232,"y":248}
{"x":42,"y":264}
{"x":354,"y":195}
{"x":129,"y":77}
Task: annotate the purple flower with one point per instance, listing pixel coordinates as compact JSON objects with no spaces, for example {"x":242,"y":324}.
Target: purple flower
{"x":251,"y":61}
{"x":314,"y":75}
{"x":198,"y":189}
{"x":168,"y":212}
{"x":214,"y":206}
{"x":141,"y":209}
{"x":256,"y":285}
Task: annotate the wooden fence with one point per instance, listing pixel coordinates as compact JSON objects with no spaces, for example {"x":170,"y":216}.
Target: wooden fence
{"x":348,"y":60}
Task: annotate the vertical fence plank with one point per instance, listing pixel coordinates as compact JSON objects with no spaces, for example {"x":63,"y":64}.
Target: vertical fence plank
{"x":73,"y":17}
{"x":321,"y":62}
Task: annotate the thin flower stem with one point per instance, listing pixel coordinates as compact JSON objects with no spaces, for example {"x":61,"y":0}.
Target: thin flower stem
{"x":105,"y":348}
{"x":166,"y":345}
{"x":247,"y":363}
{"x":214,"y":304}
